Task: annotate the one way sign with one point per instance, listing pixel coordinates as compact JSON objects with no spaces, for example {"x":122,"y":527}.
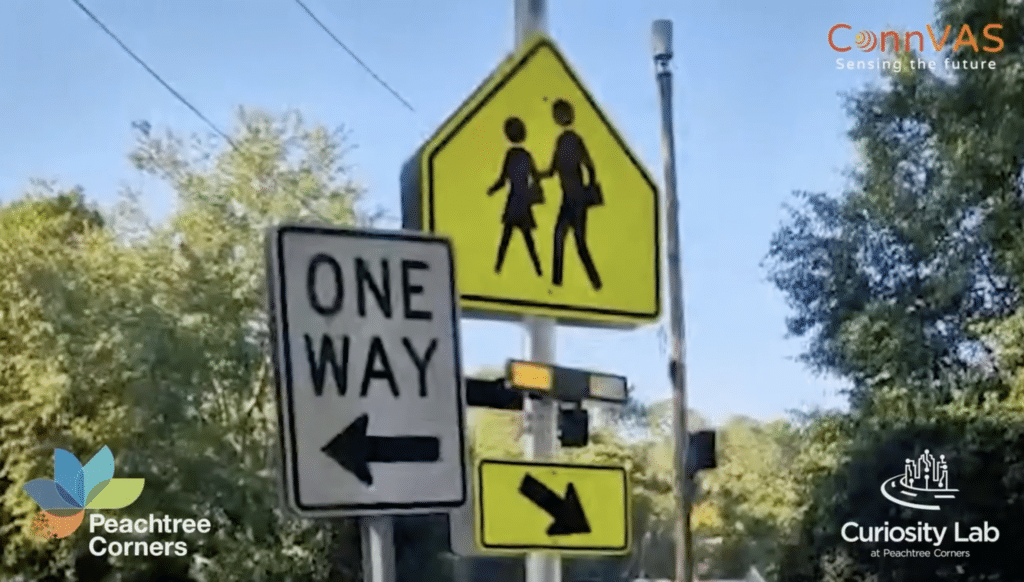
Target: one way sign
{"x":368,"y":371}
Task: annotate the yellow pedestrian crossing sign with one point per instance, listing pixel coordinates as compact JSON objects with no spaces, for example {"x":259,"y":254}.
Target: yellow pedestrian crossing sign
{"x":548,"y":211}
{"x":525,"y":506}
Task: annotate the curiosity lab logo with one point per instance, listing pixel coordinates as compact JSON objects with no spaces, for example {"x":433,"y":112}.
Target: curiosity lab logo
{"x":75,"y":488}
{"x":924,"y":483}
{"x":988,"y":40}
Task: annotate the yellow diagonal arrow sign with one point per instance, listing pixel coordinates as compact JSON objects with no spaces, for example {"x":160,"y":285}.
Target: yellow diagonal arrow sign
{"x":523,"y":506}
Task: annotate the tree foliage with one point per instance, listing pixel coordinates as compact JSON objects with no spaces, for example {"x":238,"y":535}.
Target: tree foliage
{"x":909,"y":285}
{"x":887,"y":279}
{"x":153,"y":340}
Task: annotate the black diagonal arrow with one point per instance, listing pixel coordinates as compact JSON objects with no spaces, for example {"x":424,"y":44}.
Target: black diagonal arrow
{"x":568,"y":513}
{"x":354,"y":450}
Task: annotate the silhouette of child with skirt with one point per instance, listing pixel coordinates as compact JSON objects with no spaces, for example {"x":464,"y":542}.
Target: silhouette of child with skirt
{"x":524,"y":191}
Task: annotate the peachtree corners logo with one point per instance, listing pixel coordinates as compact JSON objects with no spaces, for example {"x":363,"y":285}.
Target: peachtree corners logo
{"x":75,"y":488}
{"x":924,"y":483}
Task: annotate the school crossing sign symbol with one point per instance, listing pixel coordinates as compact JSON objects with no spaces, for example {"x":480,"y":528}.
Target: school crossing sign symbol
{"x":548,"y":210}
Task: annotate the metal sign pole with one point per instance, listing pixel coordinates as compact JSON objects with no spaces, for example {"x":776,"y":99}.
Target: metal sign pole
{"x":378,"y":541}
{"x":662,"y":45}
{"x":540,"y":434}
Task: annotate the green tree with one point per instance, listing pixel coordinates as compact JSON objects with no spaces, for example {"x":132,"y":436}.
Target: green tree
{"x":493,"y":434}
{"x":753,"y":495}
{"x":153,"y":340}
{"x":887,"y":279}
{"x":983,"y":448}
{"x":908,"y":285}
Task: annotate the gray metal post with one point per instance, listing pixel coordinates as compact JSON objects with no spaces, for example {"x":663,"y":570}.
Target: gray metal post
{"x":530,"y":16}
{"x":642,"y":569}
{"x":378,"y":540}
{"x":540,"y":436}
{"x":661,"y":37}
{"x":540,"y":428}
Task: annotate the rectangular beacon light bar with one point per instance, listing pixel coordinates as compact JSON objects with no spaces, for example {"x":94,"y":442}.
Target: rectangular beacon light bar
{"x":566,"y":383}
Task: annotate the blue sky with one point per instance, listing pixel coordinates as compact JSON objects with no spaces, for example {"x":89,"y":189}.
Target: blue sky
{"x":757,"y":115}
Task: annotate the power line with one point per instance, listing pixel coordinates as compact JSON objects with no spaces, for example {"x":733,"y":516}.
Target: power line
{"x":151,"y":71}
{"x":353,"y":55}
{"x":183,"y":100}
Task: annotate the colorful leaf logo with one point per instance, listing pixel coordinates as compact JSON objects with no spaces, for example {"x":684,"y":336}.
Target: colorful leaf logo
{"x":75,"y":488}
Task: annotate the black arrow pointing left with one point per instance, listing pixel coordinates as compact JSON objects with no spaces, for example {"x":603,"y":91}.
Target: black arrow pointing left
{"x":354,"y":450}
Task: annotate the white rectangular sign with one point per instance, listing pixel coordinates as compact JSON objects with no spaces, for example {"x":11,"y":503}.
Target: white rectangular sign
{"x":368,"y":371}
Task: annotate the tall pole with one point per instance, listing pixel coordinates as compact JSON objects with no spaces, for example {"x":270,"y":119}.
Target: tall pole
{"x":378,"y":540}
{"x":531,"y":16}
{"x":661,"y":37}
{"x":540,"y":434}
{"x":540,"y":428}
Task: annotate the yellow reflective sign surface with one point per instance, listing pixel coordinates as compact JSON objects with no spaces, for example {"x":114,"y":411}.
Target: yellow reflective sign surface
{"x":522,"y":506}
{"x":548,"y":210}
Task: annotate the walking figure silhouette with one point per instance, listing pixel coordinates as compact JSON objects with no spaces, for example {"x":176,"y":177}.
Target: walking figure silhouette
{"x":569,"y":159}
{"x":523,"y":178}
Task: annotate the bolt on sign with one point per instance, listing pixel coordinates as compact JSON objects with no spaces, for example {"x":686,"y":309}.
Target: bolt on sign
{"x":549,"y":211}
